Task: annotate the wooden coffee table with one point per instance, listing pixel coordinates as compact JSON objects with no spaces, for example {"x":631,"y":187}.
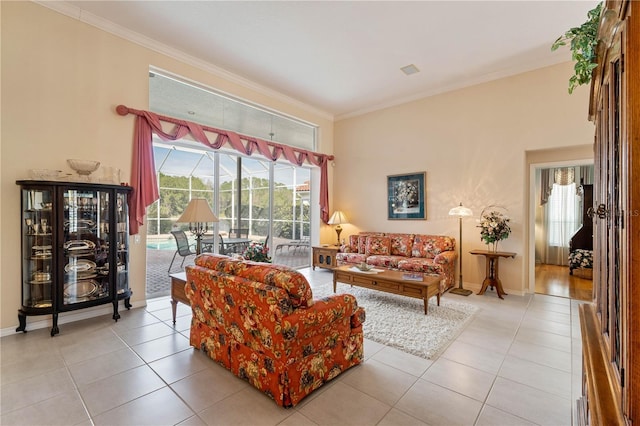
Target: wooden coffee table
{"x":390,"y":282}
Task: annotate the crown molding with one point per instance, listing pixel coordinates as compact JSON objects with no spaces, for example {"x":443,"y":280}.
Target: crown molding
{"x":117,"y":30}
{"x":505,"y":73}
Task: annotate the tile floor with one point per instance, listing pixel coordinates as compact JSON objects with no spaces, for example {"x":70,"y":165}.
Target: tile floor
{"x":517,"y":363}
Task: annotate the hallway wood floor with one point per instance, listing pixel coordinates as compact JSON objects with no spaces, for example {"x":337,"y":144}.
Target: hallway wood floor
{"x":555,"y":280}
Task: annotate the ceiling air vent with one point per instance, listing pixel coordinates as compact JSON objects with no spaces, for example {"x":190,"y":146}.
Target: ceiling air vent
{"x":410,"y":69}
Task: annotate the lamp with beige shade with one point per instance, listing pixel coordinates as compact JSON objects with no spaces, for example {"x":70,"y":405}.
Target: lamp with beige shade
{"x":198,"y":214}
{"x":338,"y":218}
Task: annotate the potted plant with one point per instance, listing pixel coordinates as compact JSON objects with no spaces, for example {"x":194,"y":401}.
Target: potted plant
{"x":583,"y":42}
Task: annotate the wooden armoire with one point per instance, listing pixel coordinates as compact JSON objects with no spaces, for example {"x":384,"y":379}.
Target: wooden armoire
{"x":611,"y":325}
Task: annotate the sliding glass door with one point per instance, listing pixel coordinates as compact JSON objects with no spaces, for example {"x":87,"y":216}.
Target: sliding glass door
{"x":240,"y":190}
{"x":244,"y":195}
{"x":291,"y":202}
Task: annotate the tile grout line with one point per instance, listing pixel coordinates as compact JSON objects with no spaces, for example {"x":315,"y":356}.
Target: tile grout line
{"x":497,"y":374}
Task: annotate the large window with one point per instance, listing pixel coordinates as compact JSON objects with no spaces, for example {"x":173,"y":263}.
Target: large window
{"x":244,"y":205}
{"x":243,"y":196}
{"x":291,"y":203}
{"x":267,"y":198}
{"x":182,"y":174}
{"x":563,"y":213}
{"x":176,"y":97}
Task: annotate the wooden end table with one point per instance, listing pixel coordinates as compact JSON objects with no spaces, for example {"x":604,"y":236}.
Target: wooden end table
{"x":492,"y":279}
{"x":325,"y":256}
{"x":178,"y":281}
{"x":390,"y":282}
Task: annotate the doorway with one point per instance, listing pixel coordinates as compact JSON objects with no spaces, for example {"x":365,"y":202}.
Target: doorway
{"x":562,"y":195}
{"x":548,"y":254}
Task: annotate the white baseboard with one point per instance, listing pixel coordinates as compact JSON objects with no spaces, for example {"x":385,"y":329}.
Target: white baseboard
{"x":46,"y":321}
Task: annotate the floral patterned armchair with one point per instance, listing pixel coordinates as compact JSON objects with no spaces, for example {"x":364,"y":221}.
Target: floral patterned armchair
{"x":260,"y":321}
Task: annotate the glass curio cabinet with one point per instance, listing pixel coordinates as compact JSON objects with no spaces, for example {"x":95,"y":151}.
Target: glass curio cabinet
{"x":75,"y":248}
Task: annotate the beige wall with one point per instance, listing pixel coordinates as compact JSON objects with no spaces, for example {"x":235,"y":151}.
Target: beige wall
{"x":61,"y":82}
{"x":473,"y":145}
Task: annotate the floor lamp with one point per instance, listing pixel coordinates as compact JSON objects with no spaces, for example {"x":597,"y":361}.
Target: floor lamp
{"x":198,"y":214}
{"x":461,"y":212}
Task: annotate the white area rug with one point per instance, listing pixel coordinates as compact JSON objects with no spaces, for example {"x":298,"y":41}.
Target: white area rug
{"x":400,"y":322}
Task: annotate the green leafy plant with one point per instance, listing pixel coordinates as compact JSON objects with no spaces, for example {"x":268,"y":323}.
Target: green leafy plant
{"x":583,"y":41}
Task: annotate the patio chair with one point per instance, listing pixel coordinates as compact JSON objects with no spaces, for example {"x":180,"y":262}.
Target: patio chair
{"x":230,"y":247}
{"x":302,"y":243}
{"x":222,"y":248}
{"x":183,"y":247}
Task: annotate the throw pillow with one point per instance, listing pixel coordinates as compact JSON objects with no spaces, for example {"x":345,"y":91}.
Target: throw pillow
{"x":362,"y":244}
{"x":429,"y":246}
{"x":362,"y":240}
{"x":353,"y":244}
{"x":378,"y":246}
{"x":419,"y":246}
{"x":401,"y":244}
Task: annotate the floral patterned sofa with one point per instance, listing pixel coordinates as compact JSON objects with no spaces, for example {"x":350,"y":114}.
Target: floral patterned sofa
{"x":260,"y":321}
{"x":434,"y":254}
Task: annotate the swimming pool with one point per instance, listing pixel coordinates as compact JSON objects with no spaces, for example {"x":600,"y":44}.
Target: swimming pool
{"x":161,"y":244}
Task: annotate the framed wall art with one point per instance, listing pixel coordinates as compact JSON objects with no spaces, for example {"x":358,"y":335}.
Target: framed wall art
{"x":406,"y":196}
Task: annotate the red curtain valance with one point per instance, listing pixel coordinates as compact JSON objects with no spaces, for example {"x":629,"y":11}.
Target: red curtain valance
{"x":143,"y":170}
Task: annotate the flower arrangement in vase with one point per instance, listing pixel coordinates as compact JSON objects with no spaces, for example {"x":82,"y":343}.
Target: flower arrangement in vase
{"x":257,"y":252}
{"x":494,"y":227}
{"x":406,"y":193}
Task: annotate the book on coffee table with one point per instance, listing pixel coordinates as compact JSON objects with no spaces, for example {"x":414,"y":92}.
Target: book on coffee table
{"x":412,"y":276}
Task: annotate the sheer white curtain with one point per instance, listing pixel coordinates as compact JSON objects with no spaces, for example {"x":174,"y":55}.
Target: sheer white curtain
{"x":562,"y":218}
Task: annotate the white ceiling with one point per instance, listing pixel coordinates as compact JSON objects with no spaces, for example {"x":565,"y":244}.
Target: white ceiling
{"x":343,"y":58}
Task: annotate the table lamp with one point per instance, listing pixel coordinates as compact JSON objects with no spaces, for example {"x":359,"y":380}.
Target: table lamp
{"x":336,"y":219}
{"x":461,"y":212}
{"x":198,"y":214}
